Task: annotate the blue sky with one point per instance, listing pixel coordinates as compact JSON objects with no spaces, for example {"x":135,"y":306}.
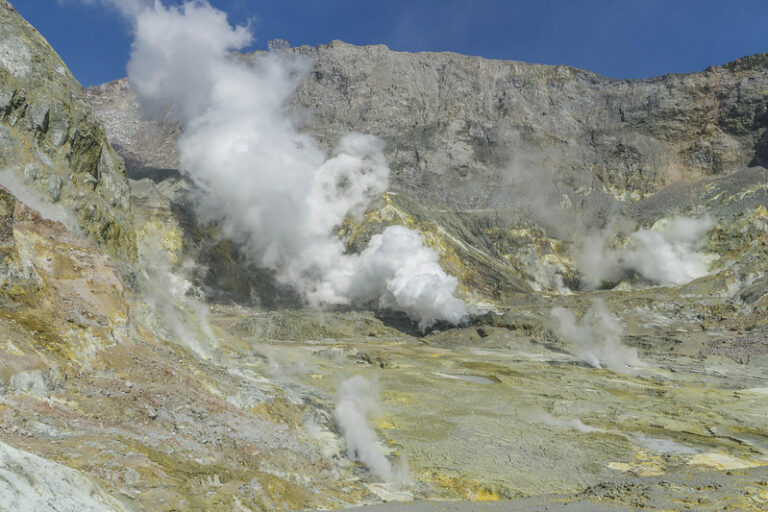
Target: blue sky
{"x":617,"y":38}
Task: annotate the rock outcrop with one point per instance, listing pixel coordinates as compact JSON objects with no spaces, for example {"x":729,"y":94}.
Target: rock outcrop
{"x":455,"y":125}
{"x":111,"y":385}
{"x":51,"y":141}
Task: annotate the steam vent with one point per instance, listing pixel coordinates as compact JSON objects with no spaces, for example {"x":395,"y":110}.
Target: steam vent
{"x":325,"y":277}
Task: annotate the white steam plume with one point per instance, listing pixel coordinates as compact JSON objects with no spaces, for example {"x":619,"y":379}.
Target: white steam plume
{"x":357,"y":401}
{"x":400,"y":272}
{"x":596,"y":337}
{"x":166,"y":292}
{"x":272,"y":188}
{"x":665,"y":254}
{"x":597,"y":259}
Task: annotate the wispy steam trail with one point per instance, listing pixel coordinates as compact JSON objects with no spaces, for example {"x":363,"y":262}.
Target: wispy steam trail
{"x":357,"y":400}
{"x":596,"y":337}
{"x":272,"y":188}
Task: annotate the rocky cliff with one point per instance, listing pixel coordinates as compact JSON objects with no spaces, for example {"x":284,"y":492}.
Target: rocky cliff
{"x":455,"y":125}
{"x":50,"y":139}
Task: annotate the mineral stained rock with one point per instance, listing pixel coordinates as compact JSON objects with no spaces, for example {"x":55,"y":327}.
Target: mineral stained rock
{"x":147,"y":364}
{"x":51,"y":141}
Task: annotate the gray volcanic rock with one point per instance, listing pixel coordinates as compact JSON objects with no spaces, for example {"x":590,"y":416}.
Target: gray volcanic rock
{"x":141,"y":142}
{"x":454,"y":125}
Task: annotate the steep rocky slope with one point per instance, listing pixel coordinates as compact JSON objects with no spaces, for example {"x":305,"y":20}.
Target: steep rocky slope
{"x":90,"y":378}
{"x":50,"y":139}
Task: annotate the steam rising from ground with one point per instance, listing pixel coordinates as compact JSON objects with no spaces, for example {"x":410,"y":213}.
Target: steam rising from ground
{"x":35,"y":200}
{"x":665,"y":254}
{"x":357,"y":401}
{"x":166,"y":292}
{"x":572,"y":423}
{"x":272,"y":188}
{"x":668,"y":253}
{"x":596,"y":337}
{"x":399,"y":272}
